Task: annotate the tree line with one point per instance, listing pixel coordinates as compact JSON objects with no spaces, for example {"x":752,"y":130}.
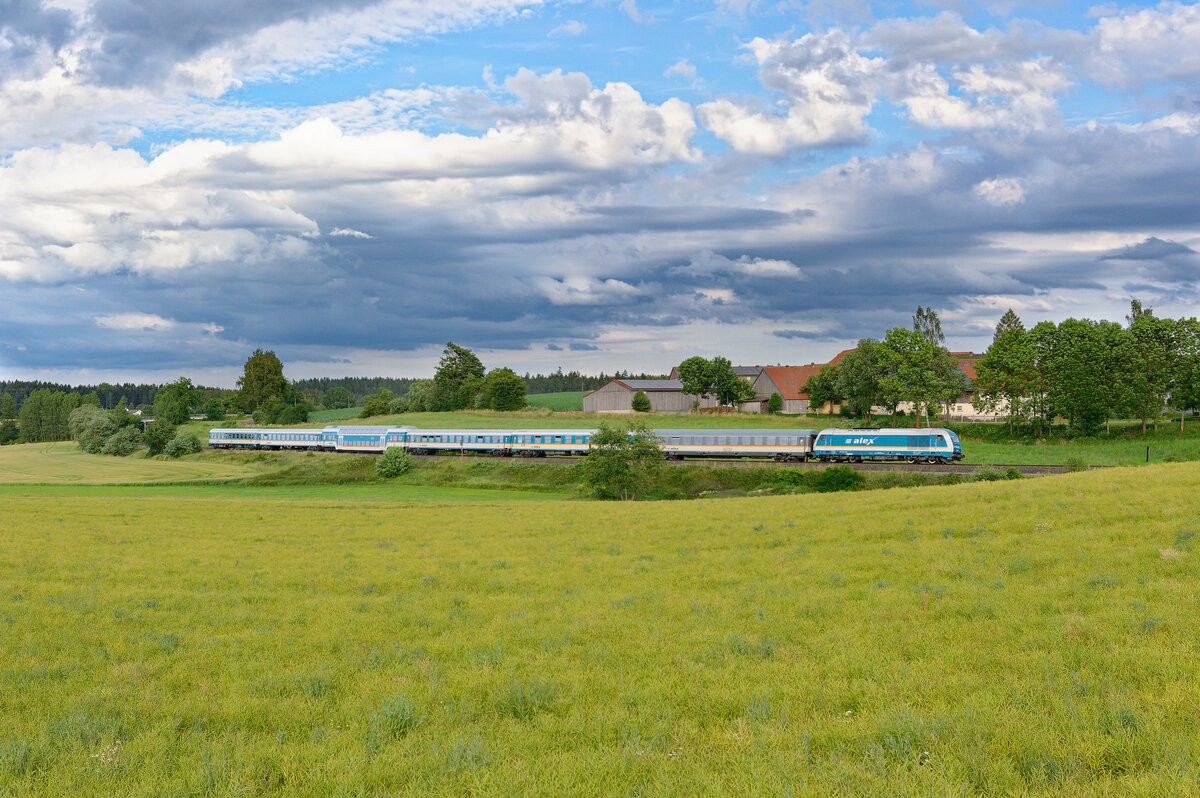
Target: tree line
{"x":1088,"y":372}
{"x":460,"y":382}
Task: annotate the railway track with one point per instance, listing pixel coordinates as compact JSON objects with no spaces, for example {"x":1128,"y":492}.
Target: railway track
{"x":923,"y":468}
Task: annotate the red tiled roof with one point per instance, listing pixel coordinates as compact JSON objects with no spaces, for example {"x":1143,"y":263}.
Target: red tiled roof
{"x":790,"y":379}
{"x":838,"y":357}
{"x":967,"y":364}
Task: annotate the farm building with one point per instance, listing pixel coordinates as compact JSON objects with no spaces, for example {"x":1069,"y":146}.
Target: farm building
{"x":666,"y":396}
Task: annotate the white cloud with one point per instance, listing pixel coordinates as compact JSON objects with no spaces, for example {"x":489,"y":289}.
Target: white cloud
{"x":572,"y":28}
{"x":346,"y":232}
{"x":708,"y":262}
{"x":681,"y":68}
{"x":134,"y":321}
{"x":1001,"y":191}
{"x":586,"y":291}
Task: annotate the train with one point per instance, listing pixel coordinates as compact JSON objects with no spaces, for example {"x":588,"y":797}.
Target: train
{"x":930,"y":445}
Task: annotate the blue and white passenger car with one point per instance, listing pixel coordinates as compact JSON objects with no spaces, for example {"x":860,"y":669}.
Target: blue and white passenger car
{"x":931,"y":445}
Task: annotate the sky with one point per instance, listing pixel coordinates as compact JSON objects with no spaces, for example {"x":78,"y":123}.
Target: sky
{"x":604,"y":185}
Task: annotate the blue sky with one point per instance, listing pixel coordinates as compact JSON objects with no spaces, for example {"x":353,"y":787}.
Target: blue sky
{"x":592,"y":185}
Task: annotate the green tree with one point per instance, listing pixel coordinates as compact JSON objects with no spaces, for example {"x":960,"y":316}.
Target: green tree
{"x":123,"y":418}
{"x":1005,"y":376}
{"x":728,"y":387}
{"x":8,"y":407}
{"x":262,"y":378}
{"x":822,"y":388}
{"x":458,"y":378}
{"x":337,"y":398}
{"x":912,"y":374}
{"x":124,"y":442}
{"x":620,"y":460}
{"x":214,"y":409}
{"x":8,"y":419}
{"x":90,"y":427}
{"x":775,"y":403}
{"x":951,"y":380}
{"x":174,"y":401}
{"x":158,"y":434}
{"x":696,"y":374}
{"x":422,"y":396}
{"x":929,"y":326}
{"x":377,"y":404}
{"x":504,"y":390}
{"x":860,"y":376}
{"x":1150,"y":365}
{"x":1075,"y":379}
{"x":640,"y":402}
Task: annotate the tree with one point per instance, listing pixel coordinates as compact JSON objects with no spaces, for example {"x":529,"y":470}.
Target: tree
{"x":174,"y":401}
{"x":262,"y":378}
{"x":859,"y":378}
{"x":696,"y":374}
{"x":123,"y":442}
{"x":775,"y":403}
{"x":337,"y":398}
{"x":459,"y":377}
{"x":715,"y":378}
{"x":422,"y":396}
{"x":1136,"y":311}
{"x":504,"y":390}
{"x":8,"y":419}
{"x":214,"y":409}
{"x":909,"y":358}
{"x":1005,"y":376}
{"x":951,"y":380}
{"x":377,"y":404}
{"x":927,"y":324}
{"x":158,"y":434}
{"x":1076,"y":382}
{"x":640,"y":402}
{"x":728,"y":387}
{"x":822,"y":388}
{"x":8,"y":407}
{"x":1151,"y":365}
{"x":621,"y":459}
{"x":91,"y":427}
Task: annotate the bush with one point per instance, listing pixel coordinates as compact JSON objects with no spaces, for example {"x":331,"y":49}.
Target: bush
{"x":399,"y":405}
{"x":775,"y":403}
{"x":90,"y":427}
{"x":123,"y":442}
{"x":987,"y":474}
{"x":641,"y":402}
{"x":183,"y":443}
{"x":1076,"y":463}
{"x":1012,"y":473}
{"x":394,"y":462}
{"x":835,"y":478}
{"x":158,"y":435}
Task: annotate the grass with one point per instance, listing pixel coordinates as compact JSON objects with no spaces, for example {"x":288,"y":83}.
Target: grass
{"x":1032,"y":638}
{"x":64,"y":462}
{"x":560,"y":401}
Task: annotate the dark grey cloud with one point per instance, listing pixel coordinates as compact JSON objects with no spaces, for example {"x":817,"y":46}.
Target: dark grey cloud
{"x":141,"y":40}
{"x":1153,"y":248}
{"x":28,"y":31}
{"x":582,"y":347}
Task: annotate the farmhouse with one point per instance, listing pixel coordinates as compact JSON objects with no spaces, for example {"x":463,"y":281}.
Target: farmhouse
{"x":666,"y":396}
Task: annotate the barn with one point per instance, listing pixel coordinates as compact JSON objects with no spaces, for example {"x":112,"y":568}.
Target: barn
{"x":666,"y":396}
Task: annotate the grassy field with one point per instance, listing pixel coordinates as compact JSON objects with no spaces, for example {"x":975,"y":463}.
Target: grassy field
{"x":64,"y":462}
{"x":561,"y":401}
{"x":1032,"y":638}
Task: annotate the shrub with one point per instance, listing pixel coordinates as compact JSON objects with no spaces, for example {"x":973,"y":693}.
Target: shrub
{"x":158,"y":435}
{"x":839,"y":477}
{"x":183,"y":443}
{"x":394,"y":462}
{"x":641,"y":402}
{"x":399,"y":405}
{"x":775,"y":403}
{"x":90,"y":427}
{"x":1076,"y":463}
{"x":214,"y":409}
{"x":1012,"y":473}
{"x":987,"y":474}
{"x":123,"y":442}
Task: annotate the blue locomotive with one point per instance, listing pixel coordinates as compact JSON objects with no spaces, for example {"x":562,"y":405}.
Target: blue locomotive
{"x":930,"y":445}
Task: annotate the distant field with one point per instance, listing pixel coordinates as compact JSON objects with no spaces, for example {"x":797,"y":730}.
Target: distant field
{"x":562,"y":401}
{"x":1013,"y":638}
{"x":64,"y":462}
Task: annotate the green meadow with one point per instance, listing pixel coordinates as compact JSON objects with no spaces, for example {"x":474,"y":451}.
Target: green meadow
{"x":1034,"y":637}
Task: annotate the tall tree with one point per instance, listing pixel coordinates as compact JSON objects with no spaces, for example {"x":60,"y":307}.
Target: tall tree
{"x":1185,"y":382}
{"x":337,"y":397}
{"x":728,"y":387}
{"x":823,"y":388}
{"x":909,"y":357}
{"x":926,"y":322}
{"x":696,"y":374}
{"x":1008,"y":322}
{"x":1137,"y":311}
{"x":1005,"y":375}
{"x":459,"y":377}
{"x":8,"y":407}
{"x":859,"y":377}
{"x":1075,"y":377}
{"x":504,"y":390}
{"x":262,"y":379}
{"x":174,"y":401}
{"x":1151,"y":365}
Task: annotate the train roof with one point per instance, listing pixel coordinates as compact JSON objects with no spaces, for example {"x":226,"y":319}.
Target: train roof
{"x":888,"y":430}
